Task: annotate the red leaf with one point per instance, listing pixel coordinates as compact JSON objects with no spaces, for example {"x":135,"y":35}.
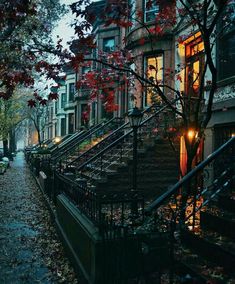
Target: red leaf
{"x":31,"y":103}
{"x":142,"y":41}
{"x":43,"y":102}
{"x":53,"y":96}
{"x":179,"y":78}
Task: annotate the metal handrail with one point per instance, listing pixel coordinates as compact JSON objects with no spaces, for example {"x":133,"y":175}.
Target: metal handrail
{"x":118,"y":139}
{"x":63,"y":145}
{"x":84,"y":135}
{"x":169,"y":193}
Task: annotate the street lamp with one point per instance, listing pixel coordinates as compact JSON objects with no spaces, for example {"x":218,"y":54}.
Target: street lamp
{"x":135,"y":118}
{"x":192,"y":134}
{"x":57,"y":140}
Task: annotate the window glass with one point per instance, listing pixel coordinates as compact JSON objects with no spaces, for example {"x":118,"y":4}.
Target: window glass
{"x":63,"y":100}
{"x":56,"y":107}
{"x":226,"y":43}
{"x":71,"y":123}
{"x":63,"y":126}
{"x":194,"y":58}
{"x":71,"y":91}
{"x":86,"y":69}
{"x":151,"y":10}
{"x":226,"y":57}
{"x":108,"y":44}
{"x":154,"y":72}
{"x":132,"y":12}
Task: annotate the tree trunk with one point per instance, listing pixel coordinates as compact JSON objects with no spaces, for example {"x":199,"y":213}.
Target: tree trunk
{"x":12,"y":141}
{"x":187,"y":189}
{"x":5,"y":148}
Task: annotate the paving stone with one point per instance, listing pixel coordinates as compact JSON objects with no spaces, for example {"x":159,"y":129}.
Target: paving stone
{"x":30,"y":251}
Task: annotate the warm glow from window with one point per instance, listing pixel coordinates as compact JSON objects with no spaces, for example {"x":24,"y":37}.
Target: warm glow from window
{"x":192,"y":38}
{"x":154,"y":74}
{"x":194,"y":60}
{"x":196,"y":70}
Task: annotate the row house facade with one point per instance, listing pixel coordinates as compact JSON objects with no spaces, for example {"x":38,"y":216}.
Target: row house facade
{"x":61,"y":113}
{"x":75,"y":110}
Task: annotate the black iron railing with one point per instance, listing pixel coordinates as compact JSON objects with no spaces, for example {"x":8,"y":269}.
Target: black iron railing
{"x":112,"y":208}
{"x":211,"y":177}
{"x":118,"y":146}
{"x":115,"y":209}
{"x":69,"y":139}
{"x":108,"y":210}
{"x":53,"y":147}
{"x":74,"y":147}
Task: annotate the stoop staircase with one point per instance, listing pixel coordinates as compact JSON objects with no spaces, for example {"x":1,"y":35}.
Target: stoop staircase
{"x":200,"y":248}
{"x":203,"y":246}
{"x":107,"y":166}
{"x":82,"y":141}
{"x":208,"y":253}
{"x":157,"y":170}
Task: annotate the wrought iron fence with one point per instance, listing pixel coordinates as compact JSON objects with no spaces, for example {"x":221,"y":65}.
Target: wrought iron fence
{"x":106,"y":211}
{"x":181,"y":204}
{"x":117,"y":148}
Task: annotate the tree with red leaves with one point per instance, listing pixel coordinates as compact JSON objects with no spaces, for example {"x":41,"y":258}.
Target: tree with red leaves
{"x":201,"y":20}
{"x":199,"y":17}
{"x":24,"y":29}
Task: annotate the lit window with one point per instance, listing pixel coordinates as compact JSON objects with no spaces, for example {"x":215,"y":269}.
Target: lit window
{"x":154,"y":72}
{"x":194,"y":58}
{"x":151,"y":10}
{"x":108,"y":44}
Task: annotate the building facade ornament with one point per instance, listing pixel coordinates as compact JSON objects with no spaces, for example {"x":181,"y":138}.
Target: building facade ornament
{"x":225,"y":93}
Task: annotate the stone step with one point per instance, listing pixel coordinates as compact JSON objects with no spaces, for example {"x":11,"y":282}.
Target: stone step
{"x":150,"y":192}
{"x":192,"y":268}
{"x":227,"y":202}
{"x":220,"y":221}
{"x":213,"y":247}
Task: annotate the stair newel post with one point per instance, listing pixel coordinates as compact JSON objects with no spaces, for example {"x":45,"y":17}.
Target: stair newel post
{"x":135,"y":118}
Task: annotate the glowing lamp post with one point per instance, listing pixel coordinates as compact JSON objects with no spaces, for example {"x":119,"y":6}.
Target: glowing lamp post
{"x":57,"y":140}
{"x":192,"y":134}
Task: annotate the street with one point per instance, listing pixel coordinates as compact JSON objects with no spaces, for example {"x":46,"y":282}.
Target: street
{"x":30,"y":249}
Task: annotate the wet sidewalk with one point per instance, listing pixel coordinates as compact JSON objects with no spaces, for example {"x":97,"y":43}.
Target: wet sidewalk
{"x":30,"y":251}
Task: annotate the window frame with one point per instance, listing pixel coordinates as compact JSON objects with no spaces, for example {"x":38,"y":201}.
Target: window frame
{"x":223,"y":42}
{"x":146,"y":58}
{"x":108,"y":38}
{"x":190,"y":60}
{"x":149,"y":11}
{"x":63,"y":100}
{"x":71,"y":91}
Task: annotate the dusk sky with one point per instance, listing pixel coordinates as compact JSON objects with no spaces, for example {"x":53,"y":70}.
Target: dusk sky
{"x":63,"y":29}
